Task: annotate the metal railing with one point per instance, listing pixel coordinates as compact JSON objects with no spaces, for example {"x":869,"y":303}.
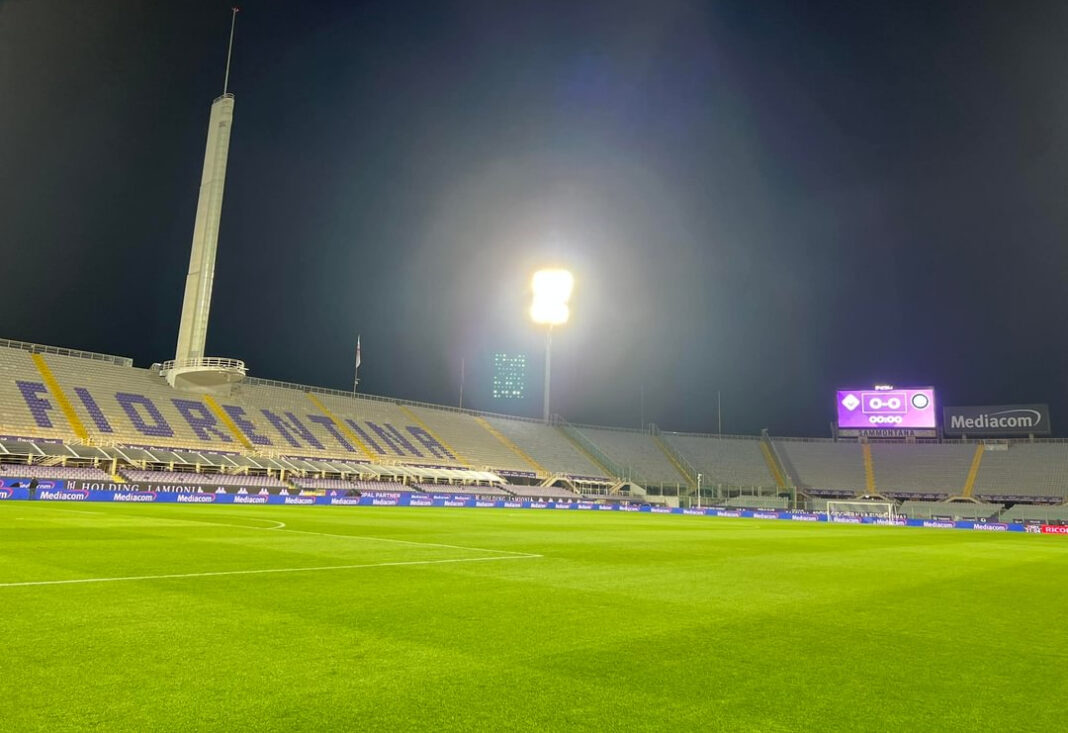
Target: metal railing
{"x":60,"y":351}
{"x":205,"y":362}
{"x":688,"y":469}
{"x":615,"y":468}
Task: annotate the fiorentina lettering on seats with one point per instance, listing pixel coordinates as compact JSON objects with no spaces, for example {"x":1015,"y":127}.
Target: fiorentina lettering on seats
{"x":393,"y":439}
{"x":367,"y":439}
{"x":289,"y":425}
{"x":94,"y":410}
{"x":38,"y":406}
{"x":201,"y":420}
{"x":332,"y":429}
{"x":147,"y":419}
{"x":130,"y":404}
{"x":246,"y":426}
{"x":430,"y":443}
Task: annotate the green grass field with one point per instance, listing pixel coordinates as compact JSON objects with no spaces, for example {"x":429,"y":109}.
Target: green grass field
{"x":463,"y":619}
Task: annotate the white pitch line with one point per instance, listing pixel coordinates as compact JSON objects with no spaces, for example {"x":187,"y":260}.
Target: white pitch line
{"x":263,"y":571}
{"x":281,"y":527}
{"x":404,"y":542}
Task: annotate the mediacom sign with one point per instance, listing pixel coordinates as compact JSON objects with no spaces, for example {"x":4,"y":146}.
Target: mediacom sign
{"x":994,"y":420}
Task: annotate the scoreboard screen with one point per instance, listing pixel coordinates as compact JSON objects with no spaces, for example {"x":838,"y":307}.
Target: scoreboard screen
{"x":889,"y":409}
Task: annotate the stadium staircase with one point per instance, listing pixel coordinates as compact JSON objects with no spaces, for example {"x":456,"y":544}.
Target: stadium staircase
{"x":771,"y":457}
{"x":58,"y":395}
{"x":436,"y":436}
{"x":340,"y":425}
{"x":869,"y":470}
{"x":226,"y":421}
{"x":684,"y":467}
{"x":591,"y":451}
{"x":540,"y":469}
{"x":789,"y":470}
{"x":973,"y":472}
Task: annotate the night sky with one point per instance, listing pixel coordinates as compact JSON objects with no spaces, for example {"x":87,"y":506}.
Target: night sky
{"x":767,"y":199}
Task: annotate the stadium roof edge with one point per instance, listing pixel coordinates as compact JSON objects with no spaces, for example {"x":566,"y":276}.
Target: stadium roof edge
{"x":61,"y":351}
{"x":260,"y":381}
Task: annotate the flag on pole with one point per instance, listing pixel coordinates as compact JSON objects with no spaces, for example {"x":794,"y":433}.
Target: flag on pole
{"x":357,"y":351}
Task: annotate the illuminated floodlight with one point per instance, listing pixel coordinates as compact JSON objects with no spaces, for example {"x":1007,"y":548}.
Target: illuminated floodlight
{"x":554,"y":284}
{"x":552,"y":290}
{"x":549,"y":313}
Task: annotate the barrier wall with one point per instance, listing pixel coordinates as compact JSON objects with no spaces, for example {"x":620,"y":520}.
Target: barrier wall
{"x":70,"y":491}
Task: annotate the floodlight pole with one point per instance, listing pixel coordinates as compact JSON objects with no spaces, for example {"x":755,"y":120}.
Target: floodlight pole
{"x":548,"y":368}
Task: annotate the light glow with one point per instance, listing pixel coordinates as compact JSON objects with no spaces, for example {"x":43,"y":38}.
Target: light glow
{"x":552,"y":290}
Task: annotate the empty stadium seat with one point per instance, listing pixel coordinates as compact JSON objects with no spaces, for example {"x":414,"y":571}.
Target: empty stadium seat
{"x":727,"y":461}
{"x":638,"y":453}
{"x":548,"y":446}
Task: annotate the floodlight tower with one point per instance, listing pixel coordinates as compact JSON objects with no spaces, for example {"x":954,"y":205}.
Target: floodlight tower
{"x":190,"y":369}
{"x":552,"y":290}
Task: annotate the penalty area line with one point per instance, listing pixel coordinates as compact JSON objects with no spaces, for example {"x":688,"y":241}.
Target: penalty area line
{"x":262,"y":571}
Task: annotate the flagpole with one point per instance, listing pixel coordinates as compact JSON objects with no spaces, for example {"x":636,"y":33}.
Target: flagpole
{"x":461,"y":383}
{"x":356,"y":371}
{"x":641,"y":402}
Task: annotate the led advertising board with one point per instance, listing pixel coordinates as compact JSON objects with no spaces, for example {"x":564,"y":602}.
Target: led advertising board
{"x":995,"y":420}
{"x":886,"y":409}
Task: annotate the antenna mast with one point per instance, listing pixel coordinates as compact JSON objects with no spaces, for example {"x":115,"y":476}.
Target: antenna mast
{"x":229,"y":51}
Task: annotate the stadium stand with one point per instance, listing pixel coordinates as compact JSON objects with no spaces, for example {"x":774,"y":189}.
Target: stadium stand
{"x":1036,"y":513}
{"x":383,"y":429}
{"x":459,"y":489}
{"x":129,"y":405}
{"x":481,"y":448}
{"x":637,"y":452}
{"x":758,"y":502}
{"x":324,"y":483}
{"x":824,"y":467}
{"x":86,"y":473}
{"x":201,"y":479}
{"x":384,"y":487}
{"x":964,"y":510}
{"x":540,"y":492}
{"x":1036,"y":472}
{"x":301,"y":423}
{"x":19,"y":378}
{"x":924,"y":470}
{"x":68,"y":414}
{"x":730,"y":461}
{"x":59,"y":396}
{"x":548,"y":446}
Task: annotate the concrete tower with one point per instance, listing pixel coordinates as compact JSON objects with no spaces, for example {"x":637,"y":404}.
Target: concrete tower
{"x":190,"y":369}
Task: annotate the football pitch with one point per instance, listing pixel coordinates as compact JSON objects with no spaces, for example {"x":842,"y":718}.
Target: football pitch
{"x":170,"y":617}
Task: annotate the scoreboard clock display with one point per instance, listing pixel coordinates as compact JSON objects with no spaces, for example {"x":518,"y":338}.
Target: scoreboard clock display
{"x":889,"y":409}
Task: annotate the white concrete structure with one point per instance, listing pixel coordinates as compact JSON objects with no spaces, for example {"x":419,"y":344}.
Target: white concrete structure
{"x":190,"y":369}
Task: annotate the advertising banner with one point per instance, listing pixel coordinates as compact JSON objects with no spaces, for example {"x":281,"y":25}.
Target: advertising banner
{"x":24,"y":483}
{"x":162,"y":488}
{"x":59,"y":493}
{"x":994,"y":420}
